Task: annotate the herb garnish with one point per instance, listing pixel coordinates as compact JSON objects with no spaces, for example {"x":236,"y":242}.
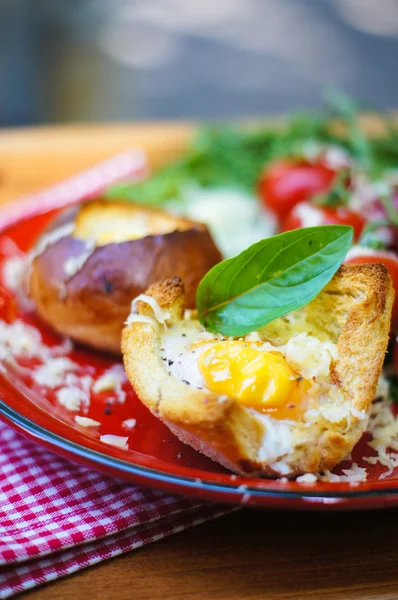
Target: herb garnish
{"x":270,"y":279}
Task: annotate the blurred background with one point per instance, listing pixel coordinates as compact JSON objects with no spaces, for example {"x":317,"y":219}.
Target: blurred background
{"x":97,"y":60}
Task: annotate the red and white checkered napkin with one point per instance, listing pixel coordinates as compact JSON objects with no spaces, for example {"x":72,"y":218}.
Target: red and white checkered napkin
{"x":57,"y":518}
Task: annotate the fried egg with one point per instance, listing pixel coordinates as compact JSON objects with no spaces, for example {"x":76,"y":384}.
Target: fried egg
{"x":267,"y":378}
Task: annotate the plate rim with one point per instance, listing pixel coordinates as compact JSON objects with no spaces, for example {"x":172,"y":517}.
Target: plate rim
{"x":10,"y":415}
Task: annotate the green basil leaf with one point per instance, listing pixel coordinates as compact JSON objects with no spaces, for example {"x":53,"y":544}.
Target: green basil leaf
{"x":270,"y":279}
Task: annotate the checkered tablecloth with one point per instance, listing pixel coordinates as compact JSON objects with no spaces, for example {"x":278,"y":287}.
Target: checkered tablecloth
{"x":57,"y":518}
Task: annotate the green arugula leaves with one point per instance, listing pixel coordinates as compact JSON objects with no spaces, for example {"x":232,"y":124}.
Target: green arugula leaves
{"x":270,"y":279}
{"x":230,"y":156}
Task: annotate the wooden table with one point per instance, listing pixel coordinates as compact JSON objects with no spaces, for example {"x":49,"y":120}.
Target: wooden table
{"x":247,"y":555}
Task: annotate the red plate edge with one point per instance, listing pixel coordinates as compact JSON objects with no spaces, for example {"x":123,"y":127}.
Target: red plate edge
{"x":64,"y":441}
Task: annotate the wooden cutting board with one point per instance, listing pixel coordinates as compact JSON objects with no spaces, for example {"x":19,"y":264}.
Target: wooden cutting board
{"x":32,"y":158}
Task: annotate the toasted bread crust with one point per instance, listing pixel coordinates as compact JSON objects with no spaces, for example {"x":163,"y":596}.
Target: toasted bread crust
{"x":355,"y":308}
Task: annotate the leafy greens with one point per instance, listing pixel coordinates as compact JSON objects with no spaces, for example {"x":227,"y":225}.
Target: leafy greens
{"x":234,"y":156}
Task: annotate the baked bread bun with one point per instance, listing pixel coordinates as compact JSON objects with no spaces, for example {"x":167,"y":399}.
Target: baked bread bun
{"x":332,"y":350}
{"x":92,"y":262}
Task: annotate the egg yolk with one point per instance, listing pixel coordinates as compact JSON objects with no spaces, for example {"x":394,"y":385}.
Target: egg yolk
{"x":260,"y":380}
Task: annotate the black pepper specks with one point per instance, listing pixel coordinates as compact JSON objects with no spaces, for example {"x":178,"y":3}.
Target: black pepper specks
{"x":170,"y":362}
{"x":185,"y":381}
{"x":108,"y":286}
{"x":107,"y":411}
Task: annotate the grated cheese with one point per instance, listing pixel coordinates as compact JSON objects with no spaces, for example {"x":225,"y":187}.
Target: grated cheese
{"x":105,"y":383}
{"x":13,"y":272}
{"x":86,"y":381}
{"x":86,"y":422}
{"x":112,"y":380}
{"x":307,"y":478}
{"x":21,"y":340}
{"x":308,"y":355}
{"x":359,"y":414}
{"x":65,"y":347}
{"x":383,"y":388}
{"x":160,"y":315}
{"x":385,"y":458}
{"x":276,"y":442}
{"x":52,"y":373}
{"x":115,"y":440}
{"x":18,"y":339}
{"x":352,"y":475}
{"x":336,"y":413}
{"x":383,"y":426}
{"x":72,"y":398}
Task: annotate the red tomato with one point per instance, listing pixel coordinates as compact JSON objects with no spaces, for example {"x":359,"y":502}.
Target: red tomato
{"x":308,"y":215}
{"x":285,"y":183}
{"x":389,"y":260}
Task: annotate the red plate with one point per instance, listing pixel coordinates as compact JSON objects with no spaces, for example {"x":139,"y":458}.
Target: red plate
{"x":155,"y":457}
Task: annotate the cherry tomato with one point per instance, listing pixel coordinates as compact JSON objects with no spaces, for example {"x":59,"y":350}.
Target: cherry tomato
{"x":389,"y":260}
{"x":285,"y":183}
{"x":308,"y":215}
